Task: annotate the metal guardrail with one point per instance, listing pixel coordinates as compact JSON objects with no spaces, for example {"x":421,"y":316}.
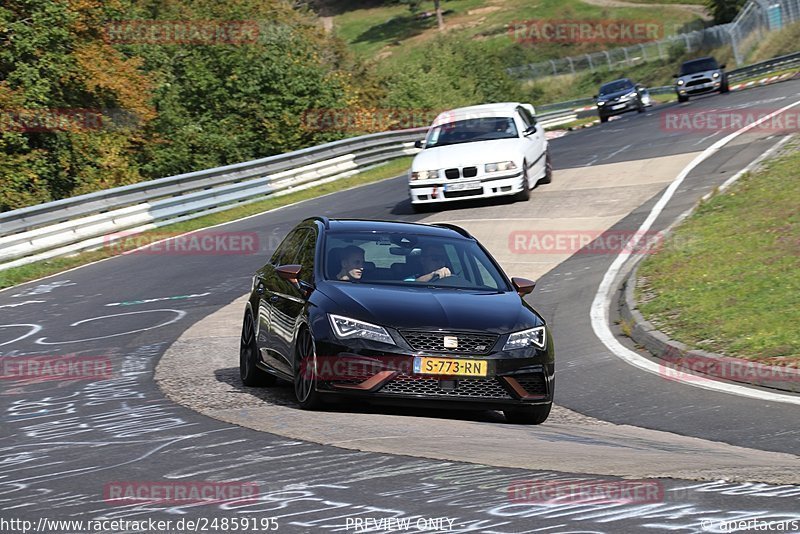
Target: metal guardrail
{"x":771,"y":65}
{"x":89,"y":221}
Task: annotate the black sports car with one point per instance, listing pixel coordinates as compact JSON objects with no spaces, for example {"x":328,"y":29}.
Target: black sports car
{"x":396,"y":312}
{"x":620,"y":96}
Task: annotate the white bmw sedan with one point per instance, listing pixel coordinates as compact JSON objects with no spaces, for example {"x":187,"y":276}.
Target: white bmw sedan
{"x":480,"y":152}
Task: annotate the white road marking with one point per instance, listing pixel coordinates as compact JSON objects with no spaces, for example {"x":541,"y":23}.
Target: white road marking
{"x":700,"y":142}
{"x":626,"y":147}
{"x":33,"y":329}
{"x":602,"y":299}
{"x":179,"y":314}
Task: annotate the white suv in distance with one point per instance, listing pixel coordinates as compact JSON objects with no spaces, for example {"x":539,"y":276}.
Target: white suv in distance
{"x":480,"y":152}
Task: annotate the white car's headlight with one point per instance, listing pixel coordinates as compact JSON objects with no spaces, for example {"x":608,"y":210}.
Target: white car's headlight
{"x":715,"y":75}
{"x":347,"y":328}
{"x":526,"y":338}
{"x":500,"y":166}
{"x":680,"y":82}
{"x":424,"y":175}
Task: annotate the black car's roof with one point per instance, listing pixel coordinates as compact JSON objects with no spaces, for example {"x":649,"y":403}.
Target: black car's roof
{"x":361,"y":225}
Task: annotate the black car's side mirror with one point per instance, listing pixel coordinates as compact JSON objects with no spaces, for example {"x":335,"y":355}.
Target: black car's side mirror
{"x":676,"y":76}
{"x":594,"y":96}
{"x":419,"y":143}
{"x":523,"y":285}
{"x":722,"y":66}
{"x":291,"y":273}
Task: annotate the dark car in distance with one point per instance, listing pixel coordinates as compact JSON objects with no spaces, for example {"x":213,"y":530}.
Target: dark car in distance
{"x":700,"y":76}
{"x":620,"y":96}
{"x":393,"y":312}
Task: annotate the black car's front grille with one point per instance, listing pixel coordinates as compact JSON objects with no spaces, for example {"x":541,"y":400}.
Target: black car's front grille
{"x":482,"y":388}
{"x":452,"y":174}
{"x":435,"y":342}
{"x":533,"y":384}
{"x":697,"y":82}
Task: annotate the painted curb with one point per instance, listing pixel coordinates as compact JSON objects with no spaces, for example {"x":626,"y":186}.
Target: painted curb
{"x":679,"y":358}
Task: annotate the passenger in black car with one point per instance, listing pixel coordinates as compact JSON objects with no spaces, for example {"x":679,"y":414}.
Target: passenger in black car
{"x":352,"y":264}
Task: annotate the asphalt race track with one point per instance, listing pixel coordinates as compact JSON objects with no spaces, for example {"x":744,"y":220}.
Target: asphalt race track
{"x":66,"y":444}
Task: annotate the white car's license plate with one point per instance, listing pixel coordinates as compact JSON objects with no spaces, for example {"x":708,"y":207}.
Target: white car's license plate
{"x":462,"y":186}
{"x":618,"y":106}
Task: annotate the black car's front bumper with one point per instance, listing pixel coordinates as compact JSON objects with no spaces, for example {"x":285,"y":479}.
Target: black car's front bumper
{"x":607,"y":110}
{"x":511,"y":380}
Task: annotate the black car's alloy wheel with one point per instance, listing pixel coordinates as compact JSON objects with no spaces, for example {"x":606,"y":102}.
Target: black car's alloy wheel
{"x":248,"y":353}
{"x":305,"y":373}
{"x":528,"y":415}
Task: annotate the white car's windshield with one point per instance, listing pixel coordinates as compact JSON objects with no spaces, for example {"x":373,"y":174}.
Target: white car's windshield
{"x":469,"y":130}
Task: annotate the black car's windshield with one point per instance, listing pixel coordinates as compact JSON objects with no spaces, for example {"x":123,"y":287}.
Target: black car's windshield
{"x":616,"y":87}
{"x":700,"y":65}
{"x":410,"y":260}
{"x":468,"y":130}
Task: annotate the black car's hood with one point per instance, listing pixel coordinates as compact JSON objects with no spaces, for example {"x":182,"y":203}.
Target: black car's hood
{"x":430,"y":309}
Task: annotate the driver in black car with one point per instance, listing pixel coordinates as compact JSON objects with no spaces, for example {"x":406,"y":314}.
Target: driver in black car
{"x":434,"y":264}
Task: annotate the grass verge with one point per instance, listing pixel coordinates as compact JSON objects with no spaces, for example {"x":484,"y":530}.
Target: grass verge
{"x":730,"y":282}
{"x":32,"y":271}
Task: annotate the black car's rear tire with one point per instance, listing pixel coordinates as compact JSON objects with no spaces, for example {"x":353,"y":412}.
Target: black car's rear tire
{"x":528,"y":415}
{"x":250,"y":374}
{"x":305,"y":372}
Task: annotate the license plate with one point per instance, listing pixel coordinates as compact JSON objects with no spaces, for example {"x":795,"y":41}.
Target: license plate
{"x":618,"y":106}
{"x":463,"y":186}
{"x":449,"y":367}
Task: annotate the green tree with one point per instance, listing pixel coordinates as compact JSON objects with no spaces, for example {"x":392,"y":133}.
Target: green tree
{"x":415,"y":6}
{"x":724,"y":11}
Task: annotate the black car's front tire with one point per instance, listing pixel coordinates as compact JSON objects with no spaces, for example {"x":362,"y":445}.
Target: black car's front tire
{"x":305,"y":372}
{"x":603,"y":118}
{"x":683,"y":98}
{"x":250,"y":374}
{"x":528,"y":415}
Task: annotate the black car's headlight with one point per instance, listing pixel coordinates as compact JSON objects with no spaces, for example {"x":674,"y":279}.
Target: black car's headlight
{"x":526,"y":338}
{"x":347,"y":328}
